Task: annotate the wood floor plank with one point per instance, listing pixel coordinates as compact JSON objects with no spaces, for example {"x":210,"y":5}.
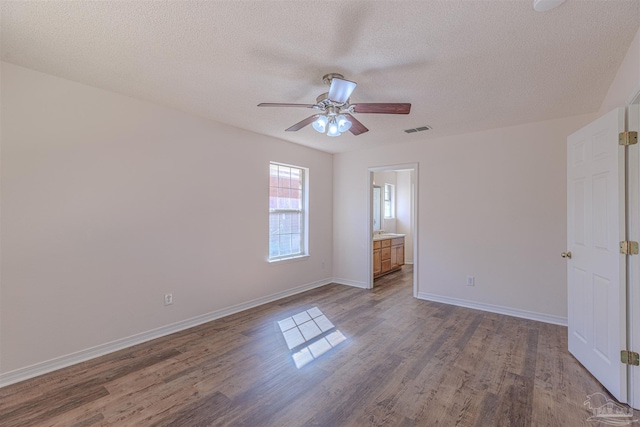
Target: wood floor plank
{"x":514,"y":404}
{"x":36,"y":412}
{"x":404,"y":362}
{"x":203,"y":412}
{"x":95,"y":420}
{"x":374,"y":378}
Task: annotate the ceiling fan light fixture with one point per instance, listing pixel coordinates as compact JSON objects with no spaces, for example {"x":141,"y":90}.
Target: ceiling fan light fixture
{"x":320,"y":124}
{"x":335,"y":114}
{"x":343,"y":123}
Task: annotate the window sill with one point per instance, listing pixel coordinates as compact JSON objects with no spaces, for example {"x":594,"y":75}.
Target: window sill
{"x":288,"y":260}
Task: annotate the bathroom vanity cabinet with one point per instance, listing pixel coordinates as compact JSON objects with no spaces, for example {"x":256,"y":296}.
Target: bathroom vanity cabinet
{"x":388,"y":254}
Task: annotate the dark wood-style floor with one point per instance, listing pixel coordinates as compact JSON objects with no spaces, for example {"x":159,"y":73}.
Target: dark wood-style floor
{"x":404,"y":362}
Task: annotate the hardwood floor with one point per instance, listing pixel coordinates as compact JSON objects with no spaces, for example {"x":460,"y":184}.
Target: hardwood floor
{"x":404,"y":362}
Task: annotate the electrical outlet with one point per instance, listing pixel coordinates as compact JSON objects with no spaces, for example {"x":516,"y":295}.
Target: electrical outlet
{"x":168,"y":299}
{"x":471,"y":281}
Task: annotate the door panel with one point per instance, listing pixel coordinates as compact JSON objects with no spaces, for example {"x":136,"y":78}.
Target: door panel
{"x":596,"y":272}
{"x":579,"y":300}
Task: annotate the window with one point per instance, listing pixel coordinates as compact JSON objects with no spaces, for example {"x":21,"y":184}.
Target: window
{"x":389,"y":201}
{"x":287,"y":211}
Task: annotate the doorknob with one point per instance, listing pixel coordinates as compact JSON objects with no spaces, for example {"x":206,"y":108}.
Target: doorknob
{"x":566,"y":255}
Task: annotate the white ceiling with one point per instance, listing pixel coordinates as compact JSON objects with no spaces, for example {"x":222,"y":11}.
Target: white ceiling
{"x":463,"y":65}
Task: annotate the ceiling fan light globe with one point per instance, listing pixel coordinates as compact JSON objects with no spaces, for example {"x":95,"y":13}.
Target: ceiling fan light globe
{"x":343,"y":123}
{"x":320,"y":124}
{"x":340,"y":90}
{"x":546,"y":5}
{"x":333,"y":129}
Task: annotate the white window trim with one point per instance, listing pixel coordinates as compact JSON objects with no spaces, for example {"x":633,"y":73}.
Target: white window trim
{"x":392,"y":201}
{"x":304,"y":218}
{"x":275,"y":261}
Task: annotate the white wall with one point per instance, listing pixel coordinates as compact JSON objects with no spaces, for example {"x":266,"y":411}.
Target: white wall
{"x":108,"y":203}
{"x":491,"y":204}
{"x":404,"y":223}
{"x":627,"y":79}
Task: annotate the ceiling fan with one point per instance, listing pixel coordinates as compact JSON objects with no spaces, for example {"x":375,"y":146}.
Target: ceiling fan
{"x":335,"y":113}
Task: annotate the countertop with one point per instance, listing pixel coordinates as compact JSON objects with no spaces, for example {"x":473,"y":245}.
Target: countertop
{"x":386,"y":236}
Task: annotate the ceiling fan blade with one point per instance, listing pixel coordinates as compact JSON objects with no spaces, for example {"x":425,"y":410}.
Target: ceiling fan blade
{"x":382,"y":108}
{"x":356,"y":127}
{"x":340,"y":90}
{"x":302,"y":123}
{"x":271,"y":104}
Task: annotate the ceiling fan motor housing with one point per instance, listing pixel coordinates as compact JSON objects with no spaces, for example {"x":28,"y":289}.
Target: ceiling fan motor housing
{"x":323,"y":103}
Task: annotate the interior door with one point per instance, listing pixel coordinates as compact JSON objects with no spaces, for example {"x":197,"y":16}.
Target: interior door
{"x":596,"y":271}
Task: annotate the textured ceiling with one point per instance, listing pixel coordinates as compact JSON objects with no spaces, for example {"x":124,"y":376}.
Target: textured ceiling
{"x":463,"y":65}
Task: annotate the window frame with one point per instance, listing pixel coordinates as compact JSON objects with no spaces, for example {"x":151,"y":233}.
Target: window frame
{"x":391,"y":201}
{"x":303,"y":211}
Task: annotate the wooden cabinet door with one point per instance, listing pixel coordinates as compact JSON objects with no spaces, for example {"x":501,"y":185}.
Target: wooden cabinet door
{"x":400,"y":255}
{"x":377,"y":262}
{"x":394,"y":257}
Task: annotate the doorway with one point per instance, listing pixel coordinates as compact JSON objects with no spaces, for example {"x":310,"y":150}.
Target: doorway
{"x":396,"y":216}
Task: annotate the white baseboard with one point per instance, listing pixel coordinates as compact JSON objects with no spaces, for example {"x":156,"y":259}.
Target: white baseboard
{"x":540,"y":317}
{"x":356,"y":284}
{"x":102,"y":349}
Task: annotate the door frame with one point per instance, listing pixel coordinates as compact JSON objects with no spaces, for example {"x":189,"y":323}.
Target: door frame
{"x":633,"y":264}
{"x":414,"y":213}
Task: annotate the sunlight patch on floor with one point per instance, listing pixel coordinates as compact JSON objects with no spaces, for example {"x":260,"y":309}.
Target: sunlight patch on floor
{"x":309,"y":335}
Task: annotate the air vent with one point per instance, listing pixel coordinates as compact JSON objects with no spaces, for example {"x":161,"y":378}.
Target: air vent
{"x":418,"y":129}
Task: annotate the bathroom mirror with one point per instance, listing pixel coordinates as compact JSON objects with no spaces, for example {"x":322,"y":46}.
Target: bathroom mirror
{"x":377,"y":218}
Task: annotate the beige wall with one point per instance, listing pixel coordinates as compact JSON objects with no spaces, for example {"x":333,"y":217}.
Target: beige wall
{"x":108,"y":203}
{"x":491,"y":204}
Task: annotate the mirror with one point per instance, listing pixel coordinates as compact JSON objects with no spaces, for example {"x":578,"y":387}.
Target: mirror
{"x":377,"y":194}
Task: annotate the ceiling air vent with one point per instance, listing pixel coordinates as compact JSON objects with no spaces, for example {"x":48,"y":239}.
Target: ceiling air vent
{"x":418,"y":129}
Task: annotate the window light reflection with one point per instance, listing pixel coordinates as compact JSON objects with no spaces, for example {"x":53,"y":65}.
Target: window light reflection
{"x":309,"y":335}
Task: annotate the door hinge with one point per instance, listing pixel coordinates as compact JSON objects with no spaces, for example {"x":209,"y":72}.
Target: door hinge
{"x":630,"y":358}
{"x":629,"y":248}
{"x":628,"y":138}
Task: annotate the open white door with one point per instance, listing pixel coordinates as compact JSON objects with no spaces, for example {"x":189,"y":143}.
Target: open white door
{"x":596,"y":271}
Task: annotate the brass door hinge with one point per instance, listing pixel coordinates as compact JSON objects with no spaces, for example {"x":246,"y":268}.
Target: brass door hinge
{"x":629,"y":248}
{"x":628,"y":138}
{"x":630,"y":358}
